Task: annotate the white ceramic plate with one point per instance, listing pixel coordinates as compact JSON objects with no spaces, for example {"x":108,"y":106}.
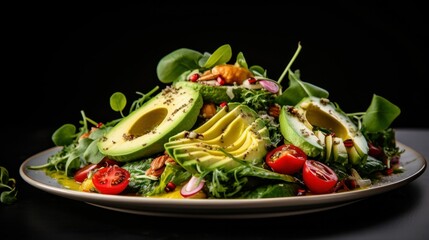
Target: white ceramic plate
{"x":413,"y":163}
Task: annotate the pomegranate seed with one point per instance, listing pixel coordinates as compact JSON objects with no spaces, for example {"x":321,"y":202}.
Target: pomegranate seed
{"x":170,"y":187}
{"x":220,"y":80}
{"x":348,"y":143}
{"x":389,"y":171}
{"x":252,"y":80}
{"x":194,"y":77}
{"x":374,"y":151}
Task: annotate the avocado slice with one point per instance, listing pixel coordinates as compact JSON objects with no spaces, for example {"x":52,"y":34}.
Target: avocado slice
{"x":328,"y":147}
{"x":236,"y":129}
{"x":339,"y":151}
{"x":298,"y":125}
{"x":144,"y":131}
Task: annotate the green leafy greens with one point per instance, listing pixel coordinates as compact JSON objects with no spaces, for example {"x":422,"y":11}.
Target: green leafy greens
{"x":7,"y":187}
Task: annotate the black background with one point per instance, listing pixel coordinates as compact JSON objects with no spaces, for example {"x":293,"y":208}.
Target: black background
{"x":71,"y":57}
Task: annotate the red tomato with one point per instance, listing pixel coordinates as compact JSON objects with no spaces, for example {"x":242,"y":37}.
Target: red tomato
{"x":286,"y":159}
{"x":318,"y":177}
{"x":83,"y":172}
{"x":111,"y":179}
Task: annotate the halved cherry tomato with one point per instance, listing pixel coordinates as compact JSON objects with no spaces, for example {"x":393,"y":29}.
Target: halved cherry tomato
{"x":318,"y":177}
{"x":83,"y":172}
{"x":111,"y":179}
{"x":286,"y":159}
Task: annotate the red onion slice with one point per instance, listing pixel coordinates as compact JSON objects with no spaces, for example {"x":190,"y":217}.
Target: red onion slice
{"x":269,"y":85}
{"x":192,"y":187}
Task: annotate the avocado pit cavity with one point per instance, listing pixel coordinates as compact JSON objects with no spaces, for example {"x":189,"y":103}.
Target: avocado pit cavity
{"x":147,"y":123}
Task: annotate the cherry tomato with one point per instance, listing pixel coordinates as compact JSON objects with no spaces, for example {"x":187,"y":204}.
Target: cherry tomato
{"x":83,"y":172}
{"x":318,"y":177}
{"x":286,"y":159}
{"x":111,"y":179}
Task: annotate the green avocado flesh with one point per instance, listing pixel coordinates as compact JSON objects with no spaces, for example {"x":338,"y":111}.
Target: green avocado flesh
{"x":145,"y":130}
{"x":215,"y":94}
{"x":301,"y":125}
{"x":238,"y":131}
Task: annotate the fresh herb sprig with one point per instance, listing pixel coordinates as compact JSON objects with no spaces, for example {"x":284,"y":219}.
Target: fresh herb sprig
{"x":7,"y":187}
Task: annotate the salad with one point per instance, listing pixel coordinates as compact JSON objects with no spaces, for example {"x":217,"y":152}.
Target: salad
{"x":221,"y":128}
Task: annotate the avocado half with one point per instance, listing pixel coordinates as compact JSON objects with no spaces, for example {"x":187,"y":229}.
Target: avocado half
{"x":301,"y":124}
{"x":144,"y":131}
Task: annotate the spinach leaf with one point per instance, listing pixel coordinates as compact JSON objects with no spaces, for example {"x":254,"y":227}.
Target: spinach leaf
{"x":380,"y":114}
{"x":372,"y":165}
{"x":298,"y":90}
{"x":272,"y":190}
{"x":64,"y":135}
{"x":258,"y":71}
{"x":241,"y":61}
{"x":174,"y":64}
{"x":220,"y":56}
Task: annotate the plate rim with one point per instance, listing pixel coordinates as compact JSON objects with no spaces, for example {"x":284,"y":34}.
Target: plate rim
{"x":231,"y":208}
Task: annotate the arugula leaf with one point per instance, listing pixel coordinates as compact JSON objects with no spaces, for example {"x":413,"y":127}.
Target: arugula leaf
{"x":139,"y":182}
{"x":172,"y":173}
{"x":144,"y":98}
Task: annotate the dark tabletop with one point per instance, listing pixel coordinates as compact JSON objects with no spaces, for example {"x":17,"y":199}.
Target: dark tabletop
{"x":398,"y":214}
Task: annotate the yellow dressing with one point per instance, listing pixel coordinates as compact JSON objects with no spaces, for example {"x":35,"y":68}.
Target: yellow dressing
{"x":176,"y":195}
{"x":70,"y":183}
{"x":64,"y":180}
